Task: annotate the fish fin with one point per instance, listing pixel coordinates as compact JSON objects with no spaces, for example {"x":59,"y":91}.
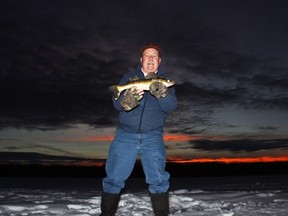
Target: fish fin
{"x":115,"y":91}
{"x":134,"y":78}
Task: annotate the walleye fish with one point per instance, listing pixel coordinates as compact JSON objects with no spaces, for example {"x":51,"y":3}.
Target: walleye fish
{"x":140,"y":84}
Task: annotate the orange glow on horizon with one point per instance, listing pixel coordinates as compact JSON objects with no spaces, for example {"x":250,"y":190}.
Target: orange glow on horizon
{"x":175,"y":137}
{"x":83,"y":163}
{"x":91,"y":163}
{"x":166,"y":137}
{"x":91,"y":139}
{"x":265,"y":159}
{"x":101,"y":163}
{"x":184,"y":137}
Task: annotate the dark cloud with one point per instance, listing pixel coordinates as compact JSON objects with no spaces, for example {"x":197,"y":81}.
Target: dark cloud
{"x":58,"y":58}
{"x":268,"y":129}
{"x":21,"y":145}
{"x":179,"y":146}
{"x":38,"y":158}
{"x":237,"y":146}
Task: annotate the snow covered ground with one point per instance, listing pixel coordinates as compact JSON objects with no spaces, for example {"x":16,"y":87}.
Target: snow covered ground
{"x":225,"y":196}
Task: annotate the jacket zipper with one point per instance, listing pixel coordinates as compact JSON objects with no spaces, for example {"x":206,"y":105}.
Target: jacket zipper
{"x":140,"y":123}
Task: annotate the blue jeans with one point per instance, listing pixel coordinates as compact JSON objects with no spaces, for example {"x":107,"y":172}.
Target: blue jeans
{"x":122,"y":156}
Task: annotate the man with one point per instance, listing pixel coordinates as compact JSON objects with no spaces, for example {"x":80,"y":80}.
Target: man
{"x":140,"y":132}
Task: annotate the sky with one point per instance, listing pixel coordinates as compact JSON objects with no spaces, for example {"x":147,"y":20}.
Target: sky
{"x":228,"y":58}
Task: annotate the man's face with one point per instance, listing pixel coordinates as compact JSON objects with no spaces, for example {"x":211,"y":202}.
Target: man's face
{"x":150,"y":60}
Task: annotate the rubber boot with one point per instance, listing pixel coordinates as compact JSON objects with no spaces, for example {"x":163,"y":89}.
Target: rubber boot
{"x":160,"y":203}
{"x":109,"y":204}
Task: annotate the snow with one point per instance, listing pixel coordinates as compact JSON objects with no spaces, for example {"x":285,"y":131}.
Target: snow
{"x":227,"y":198}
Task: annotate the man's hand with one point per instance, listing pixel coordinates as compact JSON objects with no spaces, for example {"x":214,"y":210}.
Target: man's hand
{"x":158,"y":89}
{"x":131,"y":98}
{"x":151,"y":75}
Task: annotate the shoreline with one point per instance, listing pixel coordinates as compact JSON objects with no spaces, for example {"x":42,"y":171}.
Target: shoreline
{"x":212,"y":183}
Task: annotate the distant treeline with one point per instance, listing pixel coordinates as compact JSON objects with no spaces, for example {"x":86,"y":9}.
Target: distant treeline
{"x":176,"y":170}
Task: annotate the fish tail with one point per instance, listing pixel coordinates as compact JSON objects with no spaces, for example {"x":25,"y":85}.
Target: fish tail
{"x":115,"y":91}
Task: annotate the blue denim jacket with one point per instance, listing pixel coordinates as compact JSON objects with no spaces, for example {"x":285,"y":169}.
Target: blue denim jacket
{"x":150,"y":115}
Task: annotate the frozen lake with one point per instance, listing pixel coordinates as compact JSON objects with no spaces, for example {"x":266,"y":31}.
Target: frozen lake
{"x":225,"y":196}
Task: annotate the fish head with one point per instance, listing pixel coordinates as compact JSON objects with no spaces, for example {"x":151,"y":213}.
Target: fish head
{"x":167,"y":82}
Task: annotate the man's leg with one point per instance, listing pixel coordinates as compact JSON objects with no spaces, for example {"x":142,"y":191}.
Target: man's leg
{"x":119,"y":165}
{"x":109,"y":204}
{"x":160,"y":203}
{"x":153,"y":158}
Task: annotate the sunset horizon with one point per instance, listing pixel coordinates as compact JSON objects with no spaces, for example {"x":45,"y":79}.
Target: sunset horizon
{"x":50,"y":160}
